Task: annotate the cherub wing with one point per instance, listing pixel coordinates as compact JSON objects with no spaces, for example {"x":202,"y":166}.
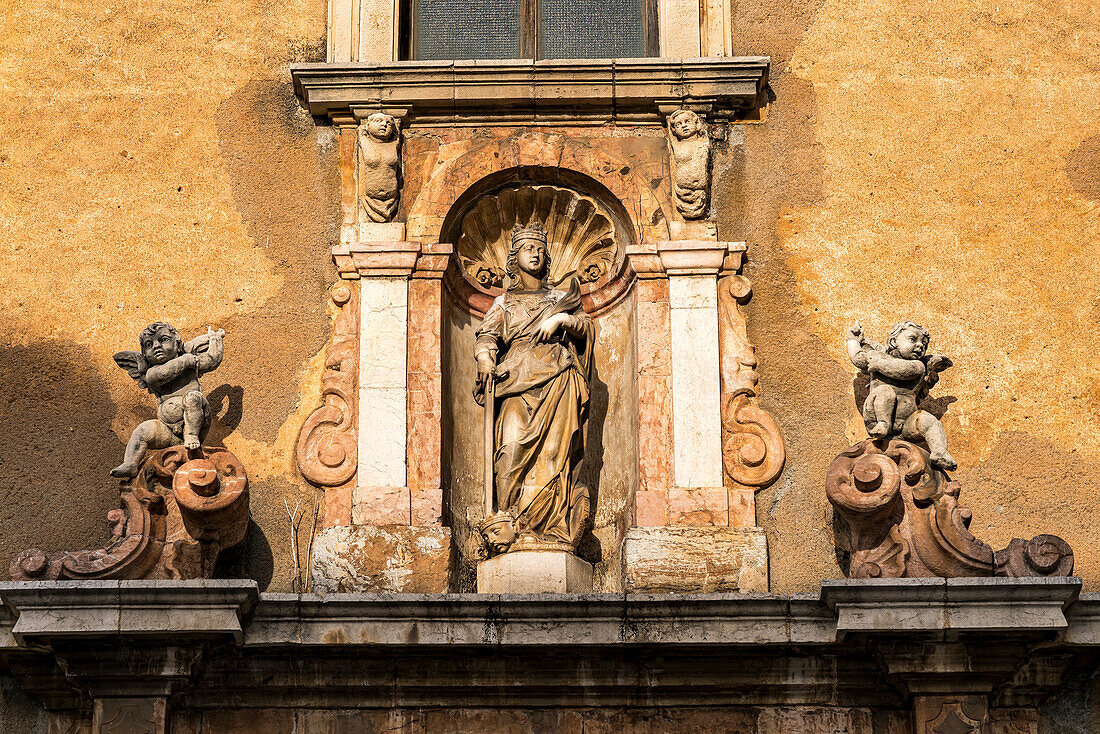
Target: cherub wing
{"x":135,"y":366}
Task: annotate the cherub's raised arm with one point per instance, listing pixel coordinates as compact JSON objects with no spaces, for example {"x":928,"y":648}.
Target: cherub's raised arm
{"x":161,"y":374}
{"x":854,"y":343}
{"x":897,"y":368}
{"x":207,"y":349}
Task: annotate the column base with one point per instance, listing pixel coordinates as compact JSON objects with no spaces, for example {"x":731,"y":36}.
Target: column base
{"x":688,"y":559}
{"x":382,"y":559}
{"x":534,"y":572}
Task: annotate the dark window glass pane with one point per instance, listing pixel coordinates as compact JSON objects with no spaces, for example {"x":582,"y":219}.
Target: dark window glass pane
{"x":590,"y":29}
{"x":467,"y":29}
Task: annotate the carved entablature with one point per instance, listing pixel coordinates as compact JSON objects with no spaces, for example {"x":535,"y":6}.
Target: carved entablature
{"x":521,"y":91}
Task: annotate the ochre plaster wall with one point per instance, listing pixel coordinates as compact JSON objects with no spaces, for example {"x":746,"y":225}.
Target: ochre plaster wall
{"x":936,"y":163}
{"x":939,"y":163}
{"x":155,"y":165}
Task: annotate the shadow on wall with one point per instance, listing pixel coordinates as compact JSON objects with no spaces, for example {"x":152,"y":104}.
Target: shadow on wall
{"x":589,"y":547}
{"x":56,"y":447}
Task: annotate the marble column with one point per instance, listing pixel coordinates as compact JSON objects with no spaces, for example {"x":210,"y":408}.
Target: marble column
{"x":395,"y":542}
{"x":684,"y":536}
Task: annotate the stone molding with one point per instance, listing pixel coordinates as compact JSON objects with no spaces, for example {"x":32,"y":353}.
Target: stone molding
{"x":685,"y":257}
{"x":979,"y":644}
{"x":522,"y":91}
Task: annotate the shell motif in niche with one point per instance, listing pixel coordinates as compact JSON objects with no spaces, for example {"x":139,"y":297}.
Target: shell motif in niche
{"x":580,"y":236}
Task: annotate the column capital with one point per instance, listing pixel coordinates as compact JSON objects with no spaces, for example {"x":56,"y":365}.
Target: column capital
{"x":433,"y":260}
{"x":375,"y":259}
{"x":686,"y":257}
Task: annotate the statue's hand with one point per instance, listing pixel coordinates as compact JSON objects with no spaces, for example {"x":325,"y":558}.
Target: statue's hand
{"x":485,"y":367}
{"x":856,"y":332}
{"x":550,"y":326}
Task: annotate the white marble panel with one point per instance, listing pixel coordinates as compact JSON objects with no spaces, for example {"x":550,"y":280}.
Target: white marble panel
{"x":383,"y":389}
{"x":382,"y":424}
{"x":696,"y":391}
{"x":383,"y":332}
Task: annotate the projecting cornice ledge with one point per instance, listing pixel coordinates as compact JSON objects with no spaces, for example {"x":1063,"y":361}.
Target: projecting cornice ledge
{"x":594,"y":91}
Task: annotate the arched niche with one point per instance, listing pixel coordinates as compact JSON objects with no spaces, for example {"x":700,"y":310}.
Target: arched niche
{"x":610,"y":466}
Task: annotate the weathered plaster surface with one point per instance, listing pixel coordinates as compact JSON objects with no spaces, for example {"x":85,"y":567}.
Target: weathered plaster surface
{"x":938,"y":164}
{"x":157,"y":167}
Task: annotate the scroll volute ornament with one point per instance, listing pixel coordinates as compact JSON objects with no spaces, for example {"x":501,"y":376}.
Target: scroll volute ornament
{"x":177,"y":515}
{"x":900,"y":517}
{"x":328,"y":444}
{"x":752,"y":444}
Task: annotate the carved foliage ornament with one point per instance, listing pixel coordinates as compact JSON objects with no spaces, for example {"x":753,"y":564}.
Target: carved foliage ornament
{"x":327,"y":448}
{"x":580,"y":236}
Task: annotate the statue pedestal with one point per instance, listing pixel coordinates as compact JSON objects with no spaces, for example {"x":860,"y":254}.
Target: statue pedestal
{"x":534,"y":572}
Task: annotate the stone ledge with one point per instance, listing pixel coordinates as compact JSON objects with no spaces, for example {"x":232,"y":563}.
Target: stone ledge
{"x":946,"y":606}
{"x":522,"y":91}
{"x":52,"y":610}
{"x":532,"y":620}
{"x":34,"y":611}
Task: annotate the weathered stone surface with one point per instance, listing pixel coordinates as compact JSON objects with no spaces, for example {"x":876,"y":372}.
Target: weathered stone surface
{"x":391,"y":558}
{"x":177,"y":515}
{"x":534,"y":572}
{"x":899,"y":516}
{"x":695,"y":559}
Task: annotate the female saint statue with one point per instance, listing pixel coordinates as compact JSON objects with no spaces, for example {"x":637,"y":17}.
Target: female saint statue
{"x":534,"y":354}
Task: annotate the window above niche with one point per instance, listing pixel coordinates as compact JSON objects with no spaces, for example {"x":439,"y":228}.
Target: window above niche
{"x":528,"y":29}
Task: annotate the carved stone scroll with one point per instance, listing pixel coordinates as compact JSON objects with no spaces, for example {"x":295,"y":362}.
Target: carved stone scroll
{"x":327,"y":448}
{"x":177,"y":515}
{"x":752,"y":445}
{"x":898,"y":516}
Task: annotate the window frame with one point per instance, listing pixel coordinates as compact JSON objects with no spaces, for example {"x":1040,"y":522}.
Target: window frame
{"x":529,"y":30}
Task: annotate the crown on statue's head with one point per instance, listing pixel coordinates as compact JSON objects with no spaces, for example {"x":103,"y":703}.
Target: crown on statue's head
{"x":497,"y":518}
{"x":535,"y":232}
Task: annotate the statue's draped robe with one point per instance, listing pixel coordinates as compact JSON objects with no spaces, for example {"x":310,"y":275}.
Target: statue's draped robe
{"x":542,"y":403}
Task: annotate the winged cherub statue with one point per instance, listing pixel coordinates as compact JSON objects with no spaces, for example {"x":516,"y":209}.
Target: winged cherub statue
{"x":170,"y":369}
{"x":902,"y":373}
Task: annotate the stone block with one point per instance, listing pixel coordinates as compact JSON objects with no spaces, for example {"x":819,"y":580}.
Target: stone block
{"x":381,"y":506}
{"x":381,"y":231}
{"x":695,"y":559}
{"x":650,"y":508}
{"x":337,"y":507}
{"x":534,"y":572}
{"x":698,"y":506}
{"x":370,"y":558}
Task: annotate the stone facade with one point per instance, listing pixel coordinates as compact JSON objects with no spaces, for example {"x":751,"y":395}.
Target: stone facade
{"x":224,"y":173}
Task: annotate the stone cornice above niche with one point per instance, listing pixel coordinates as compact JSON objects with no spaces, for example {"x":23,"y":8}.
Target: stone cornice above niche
{"x":524,"y":92}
